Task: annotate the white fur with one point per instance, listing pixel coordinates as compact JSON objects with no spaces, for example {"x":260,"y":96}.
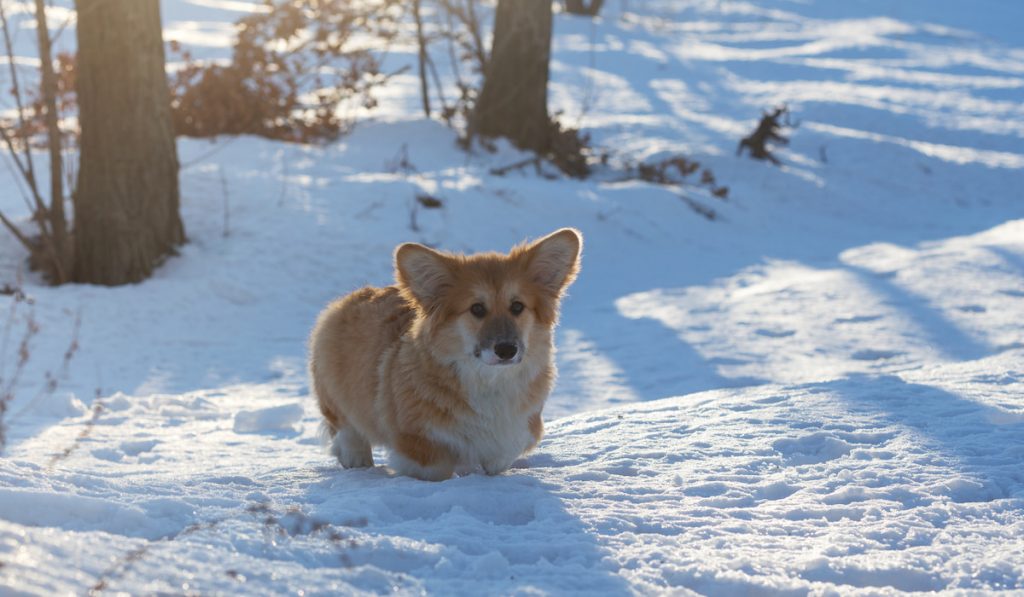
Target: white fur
{"x":488,"y":357}
{"x":411,"y":468}
{"x":500,"y":430}
{"x":351,"y":449}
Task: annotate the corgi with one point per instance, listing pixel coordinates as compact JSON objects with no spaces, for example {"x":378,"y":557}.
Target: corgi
{"x":450,"y":367}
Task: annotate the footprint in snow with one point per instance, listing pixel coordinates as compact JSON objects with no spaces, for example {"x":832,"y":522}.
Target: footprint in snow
{"x":138,"y":447}
{"x":900,"y":578}
{"x":108,"y":454}
{"x":812,"y":449}
{"x":775,"y":491}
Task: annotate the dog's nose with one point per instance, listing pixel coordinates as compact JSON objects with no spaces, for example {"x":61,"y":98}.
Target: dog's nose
{"x":505,"y":350}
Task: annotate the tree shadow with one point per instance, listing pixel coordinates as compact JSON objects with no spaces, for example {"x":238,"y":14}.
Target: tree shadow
{"x":649,"y":360}
{"x":941,"y":333}
{"x":984,"y":441}
{"x":1011,"y":258}
{"x":510,"y":533}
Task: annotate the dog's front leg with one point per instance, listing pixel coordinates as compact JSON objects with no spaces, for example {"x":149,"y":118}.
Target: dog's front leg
{"x":417,"y":456}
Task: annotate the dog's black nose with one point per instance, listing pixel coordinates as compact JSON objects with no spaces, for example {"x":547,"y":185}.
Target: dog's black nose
{"x":505,"y":350}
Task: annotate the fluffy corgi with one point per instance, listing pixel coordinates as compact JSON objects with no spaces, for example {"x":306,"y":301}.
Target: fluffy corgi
{"x":450,"y":367}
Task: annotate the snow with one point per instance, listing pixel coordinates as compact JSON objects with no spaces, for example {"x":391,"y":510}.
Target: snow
{"x":275,"y":418}
{"x":818,"y":392}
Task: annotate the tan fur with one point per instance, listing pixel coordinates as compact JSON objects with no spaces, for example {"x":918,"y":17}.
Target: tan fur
{"x":409,"y":366}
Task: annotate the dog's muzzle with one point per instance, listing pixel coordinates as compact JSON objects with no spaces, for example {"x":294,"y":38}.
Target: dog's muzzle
{"x":503,"y":353}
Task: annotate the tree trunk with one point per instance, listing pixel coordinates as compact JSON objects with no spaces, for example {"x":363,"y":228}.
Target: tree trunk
{"x":514,"y":100}
{"x":126,"y":201}
{"x":580,"y":7}
{"x":421,"y":42}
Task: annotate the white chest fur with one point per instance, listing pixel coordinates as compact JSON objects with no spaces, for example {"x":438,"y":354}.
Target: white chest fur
{"x":498,"y":431}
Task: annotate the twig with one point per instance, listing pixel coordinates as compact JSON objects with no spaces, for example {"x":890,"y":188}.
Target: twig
{"x":284,"y":178}
{"x":292,"y":522}
{"x":502,"y":171}
{"x":15,"y":87}
{"x":58,"y":226}
{"x":707,"y":212}
{"x":52,"y":381}
{"x":16,"y":176}
{"x":421,"y":41}
{"x":227,"y":202}
{"x":26,"y":173}
{"x":589,"y":92}
{"x":42,"y":214}
{"x":19,"y":297}
{"x":17,"y":233}
{"x":413,"y":224}
{"x":437,"y":83}
{"x":473,"y":23}
{"x":98,"y":409}
{"x":456,"y":68}
{"x":124,"y":564}
{"x":7,"y":390}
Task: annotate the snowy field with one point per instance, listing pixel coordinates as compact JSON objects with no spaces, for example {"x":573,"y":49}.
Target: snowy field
{"x":821,"y":391}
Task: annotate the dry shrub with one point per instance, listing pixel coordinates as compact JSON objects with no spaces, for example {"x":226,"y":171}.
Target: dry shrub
{"x":676,"y":170}
{"x":33,"y":129}
{"x":570,"y":151}
{"x":768,"y":131}
{"x":293,"y":67}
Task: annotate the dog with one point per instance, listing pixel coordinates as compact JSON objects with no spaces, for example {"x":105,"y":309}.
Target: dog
{"x":450,"y":367}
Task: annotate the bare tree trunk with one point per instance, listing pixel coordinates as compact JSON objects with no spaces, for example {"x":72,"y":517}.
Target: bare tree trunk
{"x":514,"y":100}
{"x":126,"y":202}
{"x":581,"y":7}
{"x":421,"y":41}
{"x":58,"y":225}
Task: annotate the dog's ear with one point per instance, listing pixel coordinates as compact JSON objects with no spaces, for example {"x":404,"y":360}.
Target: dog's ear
{"x":422,"y":273}
{"x":554,"y":260}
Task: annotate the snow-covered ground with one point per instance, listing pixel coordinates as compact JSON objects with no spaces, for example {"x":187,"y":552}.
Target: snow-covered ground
{"x":820,"y":391}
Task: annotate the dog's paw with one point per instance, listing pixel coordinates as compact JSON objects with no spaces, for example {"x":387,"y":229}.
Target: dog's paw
{"x":351,"y":450}
{"x":497,"y":466}
{"x":438,"y":471}
{"x":356,"y":460}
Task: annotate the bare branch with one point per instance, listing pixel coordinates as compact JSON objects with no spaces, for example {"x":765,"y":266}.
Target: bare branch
{"x":421,"y":42}
{"x":15,"y":87}
{"x":58,"y":227}
{"x":17,"y":233}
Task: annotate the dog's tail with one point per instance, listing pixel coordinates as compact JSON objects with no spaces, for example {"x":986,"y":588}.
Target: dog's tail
{"x":330,"y":440}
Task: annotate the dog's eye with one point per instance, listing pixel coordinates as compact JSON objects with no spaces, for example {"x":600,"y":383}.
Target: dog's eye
{"x":516,"y":308}
{"x":478,"y":310}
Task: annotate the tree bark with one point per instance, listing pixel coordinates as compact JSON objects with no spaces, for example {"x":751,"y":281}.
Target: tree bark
{"x":126,"y":201}
{"x":514,"y":100}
